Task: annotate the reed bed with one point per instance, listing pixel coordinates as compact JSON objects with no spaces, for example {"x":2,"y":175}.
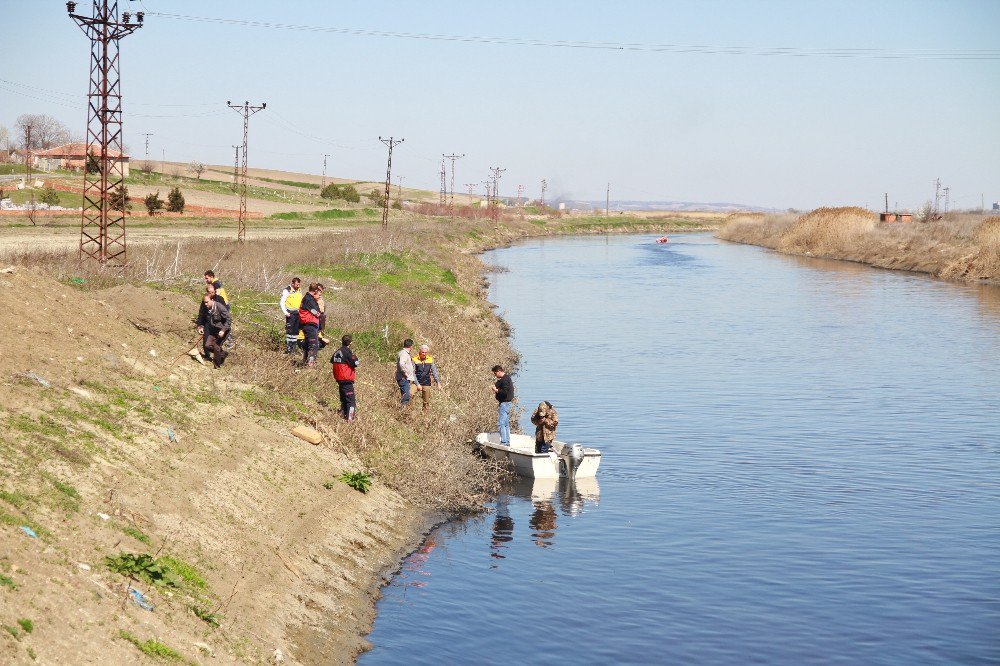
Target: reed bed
{"x":958,"y":246}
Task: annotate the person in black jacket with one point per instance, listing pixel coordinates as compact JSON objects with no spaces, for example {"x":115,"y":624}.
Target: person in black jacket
{"x":504,"y":391}
{"x":214,"y":323}
{"x":345,"y":363}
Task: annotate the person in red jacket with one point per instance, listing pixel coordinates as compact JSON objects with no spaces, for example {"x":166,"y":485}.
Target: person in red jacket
{"x":309,"y":322}
{"x":344,"y":365}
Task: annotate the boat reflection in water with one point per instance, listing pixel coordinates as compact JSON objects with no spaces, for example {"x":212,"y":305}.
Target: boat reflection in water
{"x":549,"y":498}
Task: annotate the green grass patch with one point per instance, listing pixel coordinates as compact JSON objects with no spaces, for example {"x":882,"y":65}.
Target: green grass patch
{"x":7,"y":581}
{"x":206,"y":615}
{"x":186,"y":571}
{"x":12,"y":631}
{"x":397,"y":271}
{"x":66,"y":489}
{"x":45,"y":425}
{"x":332,"y":214}
{"x":360,"y":481}
{"x":144,"y":567}
{"x":15,"y":498}
{"x":27,"y":625}
{"x":137,"y":534}
{"x":152,"y":648}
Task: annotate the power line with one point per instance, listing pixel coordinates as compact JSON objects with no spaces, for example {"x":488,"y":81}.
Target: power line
{"x":703,"y":49}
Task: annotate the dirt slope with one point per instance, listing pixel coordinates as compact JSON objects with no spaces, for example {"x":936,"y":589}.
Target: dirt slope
{"x":184,"y":464}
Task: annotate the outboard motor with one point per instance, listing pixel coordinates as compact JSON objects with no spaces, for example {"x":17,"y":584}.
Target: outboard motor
{"x":570,"y":459}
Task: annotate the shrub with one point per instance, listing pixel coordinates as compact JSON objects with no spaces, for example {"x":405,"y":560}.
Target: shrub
{"x":175,"y":201}
{"x":143,"y":567}
{"x":397,"y":205}
{"x":357,"y":480}
{"x":377,"y":197}
{"x":826,"y":230}
{"x":153,"y":202}
{"x":332,"y":191}
{"x":49,"y":196}
{"x":350,"y":194}
{"x":120,"y":198}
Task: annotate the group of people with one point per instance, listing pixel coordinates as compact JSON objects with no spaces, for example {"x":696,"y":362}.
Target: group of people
{"x":305,"y":321}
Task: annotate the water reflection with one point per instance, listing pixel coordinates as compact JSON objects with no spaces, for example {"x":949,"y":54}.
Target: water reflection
{"x":548,"y":498}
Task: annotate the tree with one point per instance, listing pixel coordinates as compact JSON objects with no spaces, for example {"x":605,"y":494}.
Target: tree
{"x":198,"y":169}
{"x":49,"y":196}
{"x":332,"y":191}
{"x":93,"y":163}
{"x":119,"y":198}
{"x":397,"y":205}
{"x":45,"y":131}
{"x":350,"y":194}
{"x":377,"y":197}
{"x":175,"y":201}
{"x":153,"y":202}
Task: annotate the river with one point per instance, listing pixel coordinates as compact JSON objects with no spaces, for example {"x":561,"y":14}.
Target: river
{"x":801,"y":465}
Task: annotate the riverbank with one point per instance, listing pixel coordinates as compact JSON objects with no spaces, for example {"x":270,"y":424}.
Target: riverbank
{"x":957,"y":247}
{"x":259,"y":548}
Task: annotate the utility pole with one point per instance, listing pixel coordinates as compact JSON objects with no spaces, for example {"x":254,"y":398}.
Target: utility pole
{"x":443,"y":194}
{"x":886,"y":202}
{"x":27,"y":174}
{"x":607,"y":202}
{"x":399,"y":187}
{"x":102,"y":224}
{"x":520,"y":201}
{"x":497,"y":173}
{"x":390,"y":143}
{"x":947,"y":199}
{"x":323,"y":186}
{"x":451,"y":198}
{"x":146,"y":167}
{"x":545,"y":186}
{"x":246,"y":110}
{"x":472,"y":188}
{"x":937,"y":196}
{"x":236,"y":167}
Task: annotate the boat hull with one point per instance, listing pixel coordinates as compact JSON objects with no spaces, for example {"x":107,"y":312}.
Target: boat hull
{"x":523,"y":460}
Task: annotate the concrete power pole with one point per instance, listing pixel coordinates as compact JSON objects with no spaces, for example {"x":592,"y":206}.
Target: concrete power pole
{"x":937,"y":196}
{"x":947,"y":199}
{"x":443,"y":194}
{"x":607,"y":202}
{"x":520,"y":201}
{"x":497,"y":174}
{"x":323,"y":186}
{"x":102,"y":220}
{"x":545,"y":186}
{"x":451,"y":197}
{"x":390,"y":143}
{"x":146,"y":167}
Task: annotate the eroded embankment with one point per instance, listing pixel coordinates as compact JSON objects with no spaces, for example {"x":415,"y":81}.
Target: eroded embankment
{"x":957,"y":247}
{"x":115,"y":445}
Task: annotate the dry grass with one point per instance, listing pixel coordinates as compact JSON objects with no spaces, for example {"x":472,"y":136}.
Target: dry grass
{"x":420,"y":279}
{"x":959,"y":246}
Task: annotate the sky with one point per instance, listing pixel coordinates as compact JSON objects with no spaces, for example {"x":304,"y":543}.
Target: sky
{"x":709,"y":124}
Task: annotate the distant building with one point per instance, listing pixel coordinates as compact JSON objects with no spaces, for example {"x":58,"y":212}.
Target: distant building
{"x":73,"y":156}
{"x":895,"y":217}
{"x":996,"y":205}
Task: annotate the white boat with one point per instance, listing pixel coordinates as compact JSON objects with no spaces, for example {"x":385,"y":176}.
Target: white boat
{"x":564,"y":461}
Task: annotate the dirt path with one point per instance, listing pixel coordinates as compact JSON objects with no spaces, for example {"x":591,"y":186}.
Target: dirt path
{"x":14,"y":240}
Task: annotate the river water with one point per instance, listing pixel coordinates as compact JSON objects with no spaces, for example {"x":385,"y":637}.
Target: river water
{"x":801,"y":466}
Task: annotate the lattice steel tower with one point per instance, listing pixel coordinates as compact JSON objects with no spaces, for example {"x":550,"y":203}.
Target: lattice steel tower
{"x":102,"y":222}
{"x":246,"y":110}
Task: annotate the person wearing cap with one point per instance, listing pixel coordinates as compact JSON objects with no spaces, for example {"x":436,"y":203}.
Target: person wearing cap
{"x":545,"y":419}
{"x":503,"y":389}
{"x":345,"y":363}
{"x":405,"y":376}
{"x":426,"y":373}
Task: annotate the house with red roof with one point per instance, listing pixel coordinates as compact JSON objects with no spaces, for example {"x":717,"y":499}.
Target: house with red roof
{"x":73,"y":156}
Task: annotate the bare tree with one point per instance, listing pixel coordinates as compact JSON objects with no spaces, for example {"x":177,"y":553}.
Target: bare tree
{"x":198,"y":169}
{"x":45,"y":131}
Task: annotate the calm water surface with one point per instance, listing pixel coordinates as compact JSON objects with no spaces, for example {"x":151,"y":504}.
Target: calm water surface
{"x":801,"y":466}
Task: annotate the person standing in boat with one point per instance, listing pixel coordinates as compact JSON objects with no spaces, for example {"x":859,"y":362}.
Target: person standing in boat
{"x":546,"y":419}
{"x":504,"y":391}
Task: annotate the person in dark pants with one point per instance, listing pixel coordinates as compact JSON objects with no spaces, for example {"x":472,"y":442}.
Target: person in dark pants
{"x":309,"y":321}
{"x":215,"y":326}
{"x":405,"y":377}
{"x":291,"y":298}
{"x":203,"y":318}
{"x":217,"y":284}
{"x":426,"y":372}
{"x":504,"y":391}
{"x":345,"y":364}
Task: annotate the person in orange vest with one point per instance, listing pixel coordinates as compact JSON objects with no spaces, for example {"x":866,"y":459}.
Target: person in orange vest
{"x":345,"y":364}
{"x":291,"y":298}
{"x":426,"y":373}
{"x":309,"y":323}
